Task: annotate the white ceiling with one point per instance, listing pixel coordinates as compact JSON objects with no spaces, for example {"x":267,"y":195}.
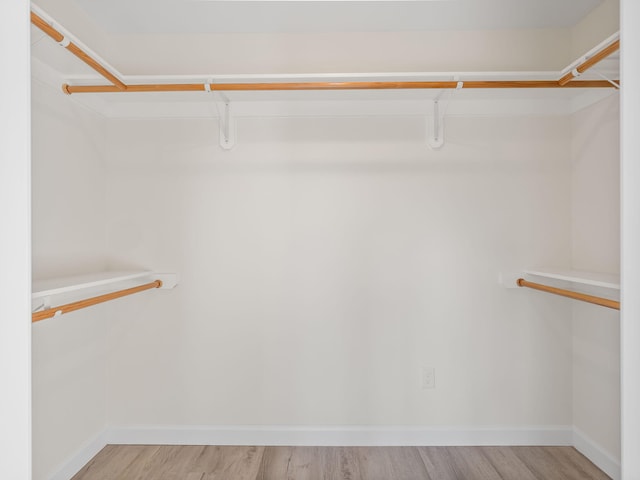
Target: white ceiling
{"x":294,"y":16}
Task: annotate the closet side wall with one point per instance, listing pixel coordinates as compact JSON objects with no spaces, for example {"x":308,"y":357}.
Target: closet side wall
{"x":601,"y":23}
{"x":326,"y":261}
{"x":68,"y":198}
{"x":596,"y":247}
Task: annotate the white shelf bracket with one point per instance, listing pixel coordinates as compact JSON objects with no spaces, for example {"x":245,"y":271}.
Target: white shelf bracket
{"x":435,"y":126}
{"x":604,"y":77}
{"x":435,"y":121}
{"x":227,"y":123}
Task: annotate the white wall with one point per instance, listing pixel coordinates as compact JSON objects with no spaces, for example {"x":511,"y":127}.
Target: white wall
{"x":325,"y":261}
{"x":69,"y":353}
{"x":317,"y":52}
{"x":595,"y":202}
{"x":352,"y":52}
{"x":15,"y":328}
{"x":601,"y":23}
{"x":69,"y":186}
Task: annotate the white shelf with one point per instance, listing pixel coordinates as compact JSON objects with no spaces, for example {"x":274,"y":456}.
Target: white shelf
{"x":90,"y":289}
{"x":58,"y":286}
{"x":606,"y":280}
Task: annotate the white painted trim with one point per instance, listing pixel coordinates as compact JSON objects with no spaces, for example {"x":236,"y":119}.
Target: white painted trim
{"x":81,"y":458}
{"x":553,"y":435}
{"x":15,"y":243}
{"x":598,"y":455}
{"x":630,"y":261}
{"x":339,"y":435}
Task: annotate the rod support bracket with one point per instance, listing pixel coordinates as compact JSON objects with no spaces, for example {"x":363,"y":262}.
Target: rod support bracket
{"x":435,"y":126}
{"x":227,"y":124}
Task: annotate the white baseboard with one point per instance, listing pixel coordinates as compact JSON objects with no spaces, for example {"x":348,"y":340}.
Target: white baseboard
{"x":74,"y":464}
{"x":561,"y":435}
{"x":594,"y":452}
{"x":339,"y":435}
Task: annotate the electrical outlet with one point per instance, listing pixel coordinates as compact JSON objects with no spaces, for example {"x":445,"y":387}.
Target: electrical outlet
{"x":428,"y":378}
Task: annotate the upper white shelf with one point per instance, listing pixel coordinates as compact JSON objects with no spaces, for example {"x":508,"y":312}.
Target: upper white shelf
{"x":606,"y":280}
{"x":57,"y":286}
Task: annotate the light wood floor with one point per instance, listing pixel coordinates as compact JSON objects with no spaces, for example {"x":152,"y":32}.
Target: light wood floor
{"x":154,"y":462}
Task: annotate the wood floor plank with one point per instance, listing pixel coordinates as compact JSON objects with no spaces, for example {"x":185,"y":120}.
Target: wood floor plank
{"x":338,"y":463}
{"x":346,"y":465}
{"x":119,"y":461}
{"x":221,"y":463}
{"x":301,"y":463}
{"x":438,"y":463}
{"x":398,"y":463}
{"x":576,"y":465}
{"x":553,"y":463}
{"x":193,"y":476}
{"x":507,"y":463}
{"x":470,"y":464}
{"x":205,"y":462}
{"x":536,"y":459}
{"x":171,"y":461}
{"x":305,"y":463}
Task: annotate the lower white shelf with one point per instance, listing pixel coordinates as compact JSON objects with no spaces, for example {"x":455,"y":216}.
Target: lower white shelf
{"x":605,"y":280}
{"x":598,"y":288}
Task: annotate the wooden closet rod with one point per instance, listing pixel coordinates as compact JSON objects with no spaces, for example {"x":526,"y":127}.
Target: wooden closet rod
{"x":590,"y":62}
{"x":70,"y":307}
{"x":605,"y":302}
{"x":77,"y":51}
{"x":200,"y":87}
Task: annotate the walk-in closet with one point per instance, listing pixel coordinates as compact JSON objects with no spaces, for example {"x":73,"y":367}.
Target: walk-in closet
{"x":322,"y":239}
